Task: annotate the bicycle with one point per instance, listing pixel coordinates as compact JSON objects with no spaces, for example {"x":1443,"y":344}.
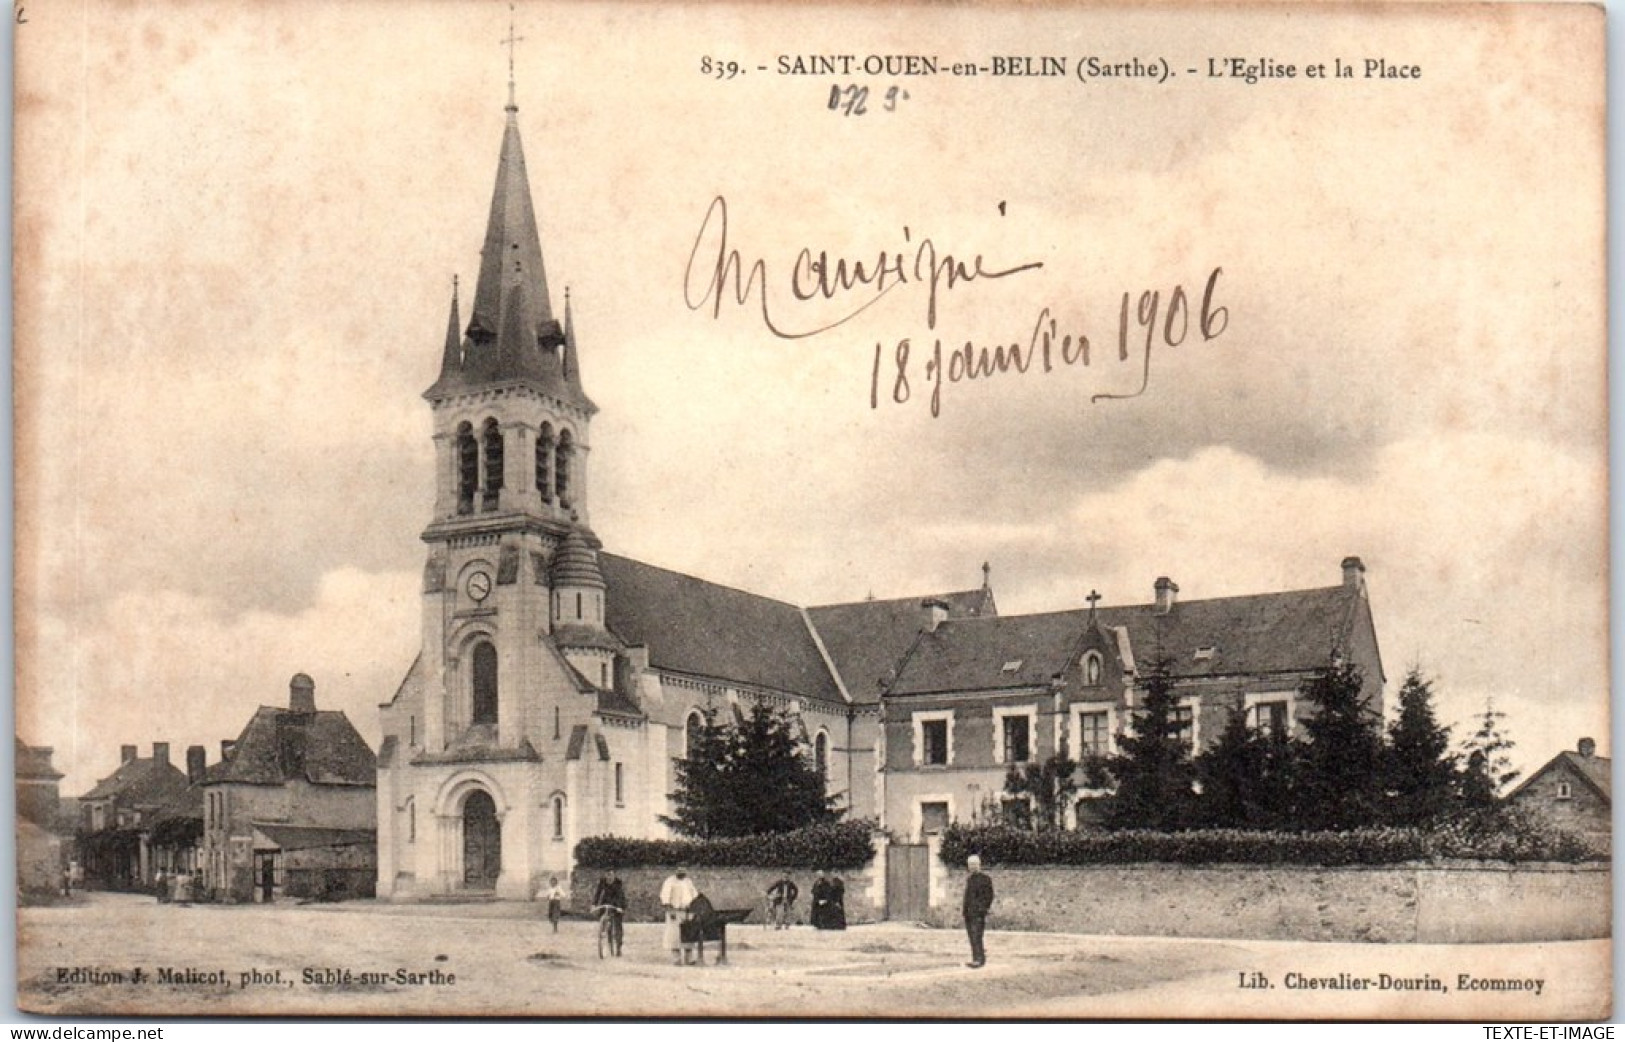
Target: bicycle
{"x":611,"y":929}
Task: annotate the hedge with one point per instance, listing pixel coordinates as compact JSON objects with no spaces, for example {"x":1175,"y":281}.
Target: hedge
{"x":844,"y":845}
{"x":1469,"y":840}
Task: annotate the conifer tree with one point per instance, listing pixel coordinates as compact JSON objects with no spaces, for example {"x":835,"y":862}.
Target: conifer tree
{"x":1341,"y":781}
{"x":1153,"y":766}
{"x":1248,"y":778}
{"x":1488,"y":771}
{"x":747,"y":778}
{"x":1422,"y":775}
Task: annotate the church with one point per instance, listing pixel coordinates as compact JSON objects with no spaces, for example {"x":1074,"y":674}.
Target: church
{"x":558,"y":683}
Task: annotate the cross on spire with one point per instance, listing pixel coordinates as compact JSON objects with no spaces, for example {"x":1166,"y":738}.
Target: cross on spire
{"x":1092,"y":598}
{"x":510,"y":40}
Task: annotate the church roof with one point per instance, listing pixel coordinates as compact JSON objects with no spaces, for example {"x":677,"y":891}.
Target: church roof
{"x":1256,"y":634}
{"x":867,"y":639}
{"x":512,"y":336}
{"x":708,"y":630}
{"x":279,"y":745}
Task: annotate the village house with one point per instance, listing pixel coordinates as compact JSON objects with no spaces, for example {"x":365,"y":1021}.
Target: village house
{"x":289,"y":808}
{"x":39,"y":826}
{"x":1573,"y":791}
{"x":116,"y":817}
{"x":973,"y":696}
{"x":557,"y":683}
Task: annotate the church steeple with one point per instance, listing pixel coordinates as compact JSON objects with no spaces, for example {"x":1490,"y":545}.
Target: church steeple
{"x":512,"y":335}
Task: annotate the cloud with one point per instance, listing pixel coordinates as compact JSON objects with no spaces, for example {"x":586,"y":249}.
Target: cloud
{"x":179,"y":668}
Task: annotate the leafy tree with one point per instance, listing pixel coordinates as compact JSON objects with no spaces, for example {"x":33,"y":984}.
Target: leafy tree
{"x":1153,"y":766}
{"x":1048,"y":787}
{"x":748,"y":778}
{"x":1248,"y":778}
{"x":1341,"y":783}
{"x":1422,"y":776}
{"x":1489,"y":771}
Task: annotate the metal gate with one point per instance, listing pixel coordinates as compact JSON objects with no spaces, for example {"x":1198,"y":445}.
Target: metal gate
{"x":908,"y":881}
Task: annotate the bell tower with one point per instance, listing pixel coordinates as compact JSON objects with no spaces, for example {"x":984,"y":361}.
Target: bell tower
{"x":511,"y":445}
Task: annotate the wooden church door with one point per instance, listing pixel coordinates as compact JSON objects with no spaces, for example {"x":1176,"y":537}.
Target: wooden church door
{"x":482,"y":842}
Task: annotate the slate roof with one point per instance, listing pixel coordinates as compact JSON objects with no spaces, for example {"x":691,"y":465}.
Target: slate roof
{"x":512,"y":336}
{"x":279,"y":745}
{"x":867,"y":639}
{"x":1254,"y":635}
{"x":708,"y":630}
{"x":141,"y":781}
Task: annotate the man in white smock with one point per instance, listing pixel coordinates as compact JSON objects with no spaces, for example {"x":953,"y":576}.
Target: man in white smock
{"x":676,"y":894}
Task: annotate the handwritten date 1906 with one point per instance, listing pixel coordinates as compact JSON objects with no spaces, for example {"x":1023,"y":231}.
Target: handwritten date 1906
{"x":1161,"y":322}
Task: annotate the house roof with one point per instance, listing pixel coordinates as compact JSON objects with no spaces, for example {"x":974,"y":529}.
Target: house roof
{"x":33,"y":763}
{"x":1254,"y":634}
{"x":306,"y":837}
{"x":1595,"y":771}
{"x":279,"y":745}
{"x":708,"y":630}
{"x":867,"y":639}
{"x":141,"y":781}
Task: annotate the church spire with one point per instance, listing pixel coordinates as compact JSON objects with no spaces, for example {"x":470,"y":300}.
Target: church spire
{"x":452,"y":360}
{"x":572,"y":368}
{"x":512,"y":335}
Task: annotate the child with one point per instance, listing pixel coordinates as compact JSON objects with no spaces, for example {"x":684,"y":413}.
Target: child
{"x":555,"y":902}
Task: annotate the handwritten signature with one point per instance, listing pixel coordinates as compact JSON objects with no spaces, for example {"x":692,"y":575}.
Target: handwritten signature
{"x":717,"y":272}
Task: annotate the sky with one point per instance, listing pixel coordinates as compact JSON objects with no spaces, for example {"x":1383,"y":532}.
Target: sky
{"x":237,"y":227}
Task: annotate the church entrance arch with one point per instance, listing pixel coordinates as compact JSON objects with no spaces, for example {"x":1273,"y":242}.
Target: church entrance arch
{"x":482,"y":841}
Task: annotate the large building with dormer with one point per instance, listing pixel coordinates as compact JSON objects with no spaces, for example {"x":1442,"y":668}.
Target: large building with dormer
{"x":558,"y":683}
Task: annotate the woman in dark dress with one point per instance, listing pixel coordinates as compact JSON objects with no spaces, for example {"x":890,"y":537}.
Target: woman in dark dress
{"x":837,"y":904}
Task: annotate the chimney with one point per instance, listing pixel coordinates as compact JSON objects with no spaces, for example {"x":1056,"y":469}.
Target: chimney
{"x":1353,"y":573}
{"x":226,"y":746}
{"x":936,"y":614}
{"x":197,"y":760}
{"x":126,"y":753}
{"x":301,"y":694}
{"x":160,"y":751}
{"x":1167,"y":591}
{"x":1587,"y":748}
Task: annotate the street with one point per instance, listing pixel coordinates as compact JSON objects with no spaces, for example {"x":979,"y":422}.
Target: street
{"x":125,"y":954}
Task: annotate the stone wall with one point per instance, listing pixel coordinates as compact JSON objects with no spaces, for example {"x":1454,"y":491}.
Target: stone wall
{"x":729,"y":888}
{"x":1426,"y":904}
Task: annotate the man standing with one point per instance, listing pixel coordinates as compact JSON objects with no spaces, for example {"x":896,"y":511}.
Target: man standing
{"x":781,"y":898}
{"x":676,"y":894}
{"x":978,"y":899}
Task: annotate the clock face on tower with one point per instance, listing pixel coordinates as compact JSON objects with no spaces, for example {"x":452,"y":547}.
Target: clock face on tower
{"x":478,"y":585}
